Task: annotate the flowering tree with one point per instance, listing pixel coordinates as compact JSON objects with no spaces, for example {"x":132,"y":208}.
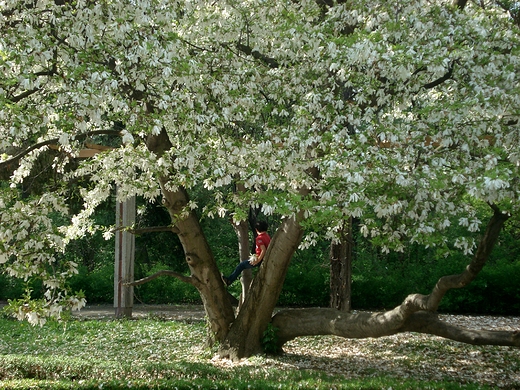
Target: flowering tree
{"x":404,"y":115}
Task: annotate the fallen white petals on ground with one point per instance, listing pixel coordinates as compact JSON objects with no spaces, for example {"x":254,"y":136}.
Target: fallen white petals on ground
{"x":406,"y":355}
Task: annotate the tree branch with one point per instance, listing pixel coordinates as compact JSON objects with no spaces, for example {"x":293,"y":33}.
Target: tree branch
{"x":413,"y":314}
{"x":442,"y":79}
{"x":270,"y":62}
{"x":183,"y":278}
{"x":429,"y":323}
{"x":460,"y":4}
{"x":431,"y":302}
{"x":151,"y":229}
{"x":52,"y":141}
{"x":23,"y":95}
{"x":294,"y":323}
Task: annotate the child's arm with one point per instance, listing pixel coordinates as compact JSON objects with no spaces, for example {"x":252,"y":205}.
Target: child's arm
{"x":261,"y":255}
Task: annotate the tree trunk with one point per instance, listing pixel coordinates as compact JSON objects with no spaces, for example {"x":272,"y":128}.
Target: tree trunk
{"x":242,"y":231}
{"x":341,"y":269}
{"x":205,"y":275}
{"x":244,"y":337}
{"x":415,"y":314}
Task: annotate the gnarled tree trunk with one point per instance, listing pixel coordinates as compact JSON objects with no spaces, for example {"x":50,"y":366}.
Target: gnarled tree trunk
{"x":205,"y":275}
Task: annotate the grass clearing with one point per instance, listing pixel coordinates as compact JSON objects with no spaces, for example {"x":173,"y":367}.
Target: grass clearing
{"x":153,"y":353}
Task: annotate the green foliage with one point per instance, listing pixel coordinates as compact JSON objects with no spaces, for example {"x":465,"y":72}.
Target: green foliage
{"x":97,"y":284}
{"x":165,"y":289}
{"x":495,"y":291}
{"x":306,"y":284}
{"x":11,"y":288}
{"x":270,"y":339}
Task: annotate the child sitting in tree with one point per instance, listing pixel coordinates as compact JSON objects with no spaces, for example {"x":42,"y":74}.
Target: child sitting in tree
{"x":262,"y":241}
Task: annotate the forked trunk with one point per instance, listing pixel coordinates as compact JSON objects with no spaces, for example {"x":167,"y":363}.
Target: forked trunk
{"x":244,"y":337}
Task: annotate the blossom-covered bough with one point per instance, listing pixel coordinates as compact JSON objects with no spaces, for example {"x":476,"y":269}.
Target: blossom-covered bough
{"x":404,"y":115}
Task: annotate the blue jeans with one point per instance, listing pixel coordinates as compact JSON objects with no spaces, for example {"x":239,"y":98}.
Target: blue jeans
{"x":245,"y":264}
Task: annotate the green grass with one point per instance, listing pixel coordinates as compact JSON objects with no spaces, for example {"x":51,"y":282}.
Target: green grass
{"x":151,"y":354}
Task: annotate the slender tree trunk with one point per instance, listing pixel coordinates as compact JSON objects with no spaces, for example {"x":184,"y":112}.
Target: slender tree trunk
{"x":242,"y":231}
{"x":341,"y":269}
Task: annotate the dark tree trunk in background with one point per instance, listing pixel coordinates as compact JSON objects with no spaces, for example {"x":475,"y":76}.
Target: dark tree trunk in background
{"x":341,"y":269}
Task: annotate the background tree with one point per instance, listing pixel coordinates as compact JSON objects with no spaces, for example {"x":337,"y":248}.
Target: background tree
{"x":398,"y":114}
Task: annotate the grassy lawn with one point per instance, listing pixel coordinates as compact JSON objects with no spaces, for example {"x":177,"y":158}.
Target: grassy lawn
{"x":153,"y":353}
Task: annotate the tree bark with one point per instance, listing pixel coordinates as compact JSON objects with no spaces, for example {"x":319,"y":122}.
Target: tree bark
{"x":205,"y":275}
{"x":244,"y":337}
{"x":313,"y":322}
{"x":242,"y":231}
{"x":341,"y":269}
{"x":416,"y":313}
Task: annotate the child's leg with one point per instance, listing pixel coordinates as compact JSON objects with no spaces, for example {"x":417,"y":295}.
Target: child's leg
{"x":238,"y":270}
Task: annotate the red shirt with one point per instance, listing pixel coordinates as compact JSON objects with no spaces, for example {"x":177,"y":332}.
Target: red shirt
{"x":262,"y":239}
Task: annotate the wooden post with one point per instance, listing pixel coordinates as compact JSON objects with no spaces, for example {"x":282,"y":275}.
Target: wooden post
{"x":124,"y":259}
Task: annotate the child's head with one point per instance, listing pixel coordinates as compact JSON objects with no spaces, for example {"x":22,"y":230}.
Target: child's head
{"x":261,"y":226}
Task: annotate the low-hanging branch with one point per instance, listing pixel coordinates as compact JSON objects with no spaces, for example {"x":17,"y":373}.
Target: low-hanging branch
{"x":187,"y":279}
{"x":416,"y":313}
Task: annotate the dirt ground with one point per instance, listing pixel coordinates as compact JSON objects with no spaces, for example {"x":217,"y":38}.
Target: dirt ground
{"x":172,"y":312}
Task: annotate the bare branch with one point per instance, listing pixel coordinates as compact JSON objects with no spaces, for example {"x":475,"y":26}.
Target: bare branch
{"x":427,"y":322}
{"x":181,"y":277}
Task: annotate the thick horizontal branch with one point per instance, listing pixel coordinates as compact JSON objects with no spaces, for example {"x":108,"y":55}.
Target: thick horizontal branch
{"x":165,"y":272}
{"x":294,"y":323}
{"x":429,"y":323}
{"x":311,"y":322}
